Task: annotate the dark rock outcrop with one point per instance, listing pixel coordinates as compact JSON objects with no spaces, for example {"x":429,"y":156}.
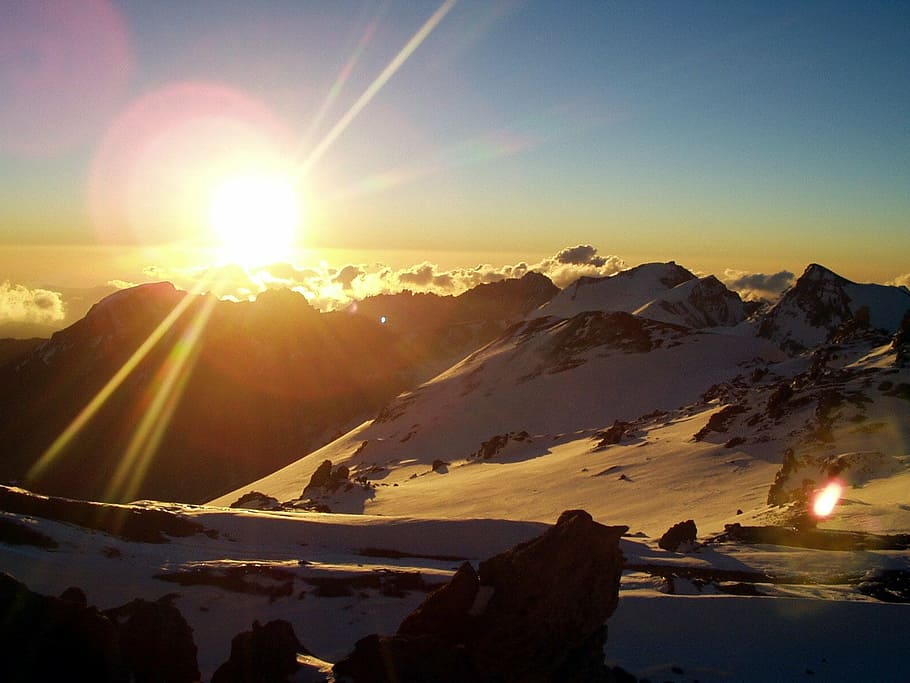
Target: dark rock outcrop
{"x":267,"y":654}
{"x":43,"y":638}
{"x":156,"y":643}
{"x":679,"y":535}
{"x":255,"y":500}
{"x":535,"y":613}
{"x":129,"y":522}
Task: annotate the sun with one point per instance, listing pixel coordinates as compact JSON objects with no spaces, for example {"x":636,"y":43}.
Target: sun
{"x":255,"y":218}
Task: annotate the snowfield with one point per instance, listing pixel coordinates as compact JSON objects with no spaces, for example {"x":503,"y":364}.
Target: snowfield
{"x":814,"y":620}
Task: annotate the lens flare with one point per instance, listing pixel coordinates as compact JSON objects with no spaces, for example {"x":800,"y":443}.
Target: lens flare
{"x":827,"y":498}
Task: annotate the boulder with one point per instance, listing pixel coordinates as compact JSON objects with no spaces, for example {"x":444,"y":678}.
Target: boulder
{"x":267,"y":654}
{"x":320,"y":478}
{"x":535,"y":613}
{"x":156,"y":642}
{"x":679,"y":535}
{"x":43,"y":638}
{"x":254,"y":500}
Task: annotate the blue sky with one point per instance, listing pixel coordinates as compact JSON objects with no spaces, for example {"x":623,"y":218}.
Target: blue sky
{"x":734,"y":134}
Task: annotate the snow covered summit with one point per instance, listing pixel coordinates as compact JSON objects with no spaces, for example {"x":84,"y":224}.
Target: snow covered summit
{"x":821,"y":301}
{"x":664,"y":292}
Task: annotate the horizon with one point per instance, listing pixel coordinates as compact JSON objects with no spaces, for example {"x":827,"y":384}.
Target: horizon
{"x":746,"y":142}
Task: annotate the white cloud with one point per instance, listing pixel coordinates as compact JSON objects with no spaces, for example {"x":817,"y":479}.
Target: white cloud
{"x":330,"y":288}
{"x":757,"y":285}
{"x":19,"y":304}
{"x":901,"y":281}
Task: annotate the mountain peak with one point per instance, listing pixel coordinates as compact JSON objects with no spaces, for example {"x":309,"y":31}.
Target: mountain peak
{"x":816,"y":273}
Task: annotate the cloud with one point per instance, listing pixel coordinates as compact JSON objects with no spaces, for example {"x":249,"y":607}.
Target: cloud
{"x":757,"y":285}
{"x":900,"y":281}
{"x":582,"y":260}
{"x":19,"y":304}
{"x":582,"y":254}
{"x":332,"y":288}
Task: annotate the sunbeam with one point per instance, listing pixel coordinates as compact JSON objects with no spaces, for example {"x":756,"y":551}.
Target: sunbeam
{"x":377,"y":84}
{"x":91,"y":409}
{"x":164,"y":392}
{"x":340,"y":81}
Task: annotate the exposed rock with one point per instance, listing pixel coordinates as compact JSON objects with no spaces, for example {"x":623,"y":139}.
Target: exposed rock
{"x":254,"y":500}
{"x":901,"y":341}
{"x":678,"y":536}
{"x":44,"y":638}
{"x":495,"y":445}
{"x":320,"y":478}
{"x":14,"y":533}
{"x":535,"y":613}
{"x":612,"y":435}
{"x":131,"y":523}
{"x":719,"y":421}
{"x":156,"y":643}
{"x":267,"y":654}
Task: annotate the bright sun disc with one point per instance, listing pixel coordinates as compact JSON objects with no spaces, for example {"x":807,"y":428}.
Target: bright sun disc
{"x":827,"y":498}
{"x":255,"y":218}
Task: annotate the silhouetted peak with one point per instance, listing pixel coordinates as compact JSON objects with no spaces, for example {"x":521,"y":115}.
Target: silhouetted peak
{"x":818,"y":273}
{"x":284,"y":299}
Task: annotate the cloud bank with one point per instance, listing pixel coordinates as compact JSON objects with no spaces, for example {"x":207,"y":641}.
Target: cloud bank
{"x":331,"y":288}
{"x":752,"y":286}
{"x":19,"y":304}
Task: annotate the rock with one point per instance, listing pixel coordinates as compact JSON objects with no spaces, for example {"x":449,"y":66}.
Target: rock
{"x":254,"y":500}
{"x":413,"y":659}
{"x":535,"y":613}
{"x":612,"y":435}
{"x":678,"y":536}
{"x":156,"y":643}
{"x":320,"y":478}
{"x":267,"y":654}
{"x":44,"y":638}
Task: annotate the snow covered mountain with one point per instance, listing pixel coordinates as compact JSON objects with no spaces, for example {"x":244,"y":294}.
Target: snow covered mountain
{"x":658,"y":291}
{"x":240,"y":389}
{"x":821,"y":301}
{"x":660,"y":410}
{"x":589,"y":410}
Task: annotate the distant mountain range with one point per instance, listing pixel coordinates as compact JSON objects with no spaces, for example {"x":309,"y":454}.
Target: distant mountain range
{"x":229,"y":391}
{"x":599,"y":396}
{"x":232,"y":392}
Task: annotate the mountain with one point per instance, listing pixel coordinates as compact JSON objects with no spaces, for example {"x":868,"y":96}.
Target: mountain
{"x":626,"y":291}
{"x":664,"y":292}
{"x":695,"y":427}
{"x":203,"y":394}
{"x":451,"y":327}
{"x":593,"y":409}
{"x":821,"y":301}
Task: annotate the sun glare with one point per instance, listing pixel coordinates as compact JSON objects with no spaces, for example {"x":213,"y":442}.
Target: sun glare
{"x":255,"y":218}
{"x":826,"y":499}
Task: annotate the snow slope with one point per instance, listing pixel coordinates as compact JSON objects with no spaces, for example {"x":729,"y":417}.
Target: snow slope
{"x":626,"y":291}
{"x":597,"y":368}
{"x":327,"y":575}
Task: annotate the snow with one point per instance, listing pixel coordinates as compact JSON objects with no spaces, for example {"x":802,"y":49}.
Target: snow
{"x":886,"y":304}
{"x":808,"y":623}
{"x":626,"y":291}
{"x":746,"y":639}
{"x":694,"y":438}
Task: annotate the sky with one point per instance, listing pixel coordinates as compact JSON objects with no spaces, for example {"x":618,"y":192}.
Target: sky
{"x":451,"y":142}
